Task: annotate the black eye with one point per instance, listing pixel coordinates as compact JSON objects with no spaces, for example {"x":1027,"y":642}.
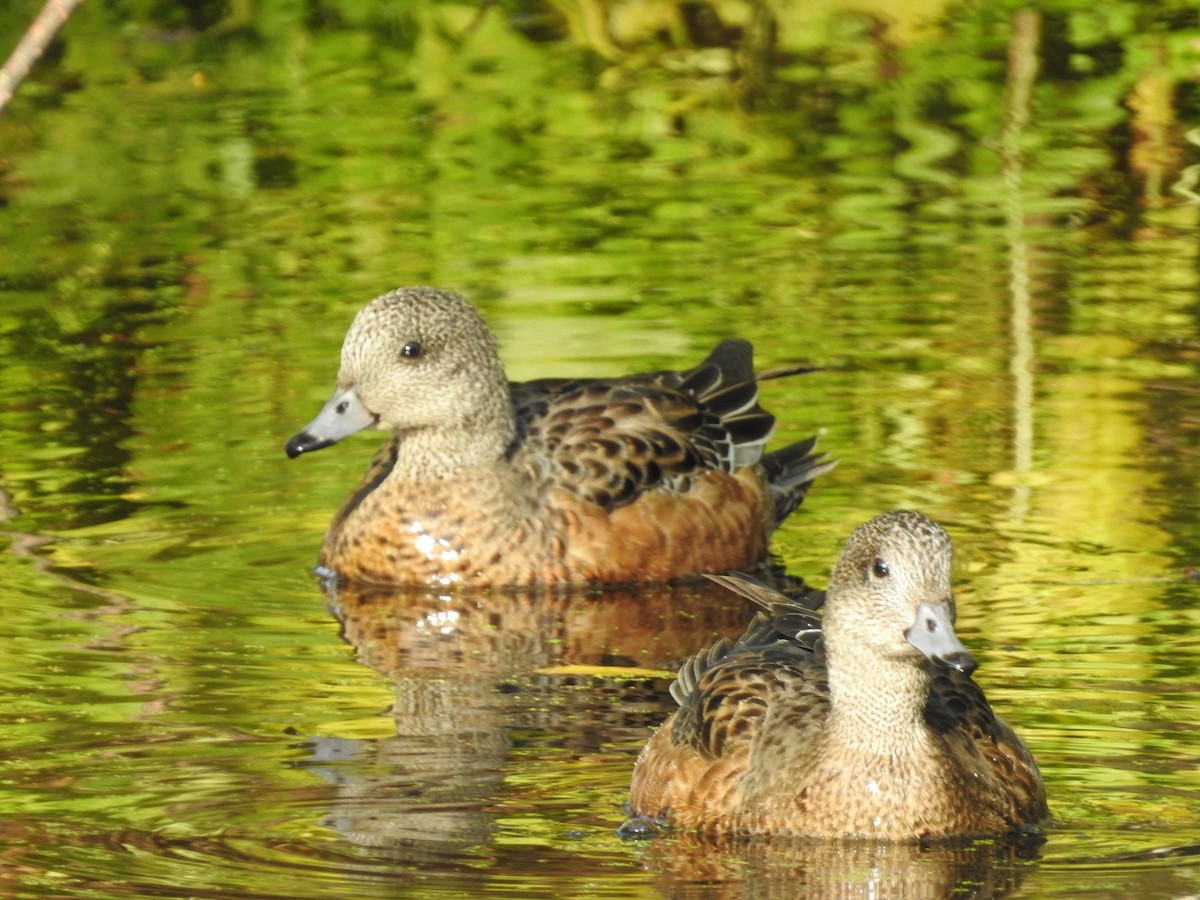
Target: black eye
{"x":880,"y":568}
{"x":411,"y":350}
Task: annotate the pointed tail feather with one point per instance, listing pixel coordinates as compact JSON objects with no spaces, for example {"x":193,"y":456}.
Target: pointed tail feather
{"x":791,"y":470}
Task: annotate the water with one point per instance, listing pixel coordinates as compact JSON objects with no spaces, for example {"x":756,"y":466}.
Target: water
{"x":1002,"y":296}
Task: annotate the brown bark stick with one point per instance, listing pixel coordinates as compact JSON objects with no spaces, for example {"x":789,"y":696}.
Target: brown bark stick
{"x":54,"y":13}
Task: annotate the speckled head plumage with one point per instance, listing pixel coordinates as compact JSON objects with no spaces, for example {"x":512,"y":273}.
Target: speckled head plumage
{"x":892,"y":575}
{"x":419,"y":362}
{"x":420,"y":356}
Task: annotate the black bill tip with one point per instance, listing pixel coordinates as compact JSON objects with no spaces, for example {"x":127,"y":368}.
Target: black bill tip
{"x":960,"y":662}
{"x":304,"y":443}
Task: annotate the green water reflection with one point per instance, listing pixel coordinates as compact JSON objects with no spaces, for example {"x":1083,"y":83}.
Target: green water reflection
{"x":981,"y":222}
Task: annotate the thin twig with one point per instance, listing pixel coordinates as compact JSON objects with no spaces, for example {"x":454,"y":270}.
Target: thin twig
{"x":54,"y":13}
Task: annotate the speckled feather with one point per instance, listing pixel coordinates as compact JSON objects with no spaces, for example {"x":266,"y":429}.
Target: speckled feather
{"x":646,"y":477}
{"x":754,"y":746}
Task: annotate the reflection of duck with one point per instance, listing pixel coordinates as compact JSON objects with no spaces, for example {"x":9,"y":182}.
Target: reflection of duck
{"x":401,"y":630}
{"x":484,"y":679}
{"x":844,"y":725}
{"x":643,"y":478}
{"x":732,"y":867}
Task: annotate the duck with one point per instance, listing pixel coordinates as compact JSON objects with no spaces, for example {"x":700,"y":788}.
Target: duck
{"x":861,"y":721}
{"x":483,"y":482}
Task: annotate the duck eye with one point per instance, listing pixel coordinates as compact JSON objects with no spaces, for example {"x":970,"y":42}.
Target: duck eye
{"x":411,"y":350}
{"x":880,"y":569}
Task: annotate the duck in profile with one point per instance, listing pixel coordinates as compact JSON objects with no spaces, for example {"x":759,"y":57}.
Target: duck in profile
{"x":481,"y":481}
{"x":862,"y":722}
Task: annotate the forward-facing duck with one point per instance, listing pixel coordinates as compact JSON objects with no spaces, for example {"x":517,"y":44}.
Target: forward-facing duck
{"x":861,"y":722}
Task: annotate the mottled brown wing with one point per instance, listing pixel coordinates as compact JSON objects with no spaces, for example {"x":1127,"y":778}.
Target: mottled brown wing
{"x":958,"y":710}
{"x":610,"y":440}
{"x":731,"y":702}
{"x":725,"y":692}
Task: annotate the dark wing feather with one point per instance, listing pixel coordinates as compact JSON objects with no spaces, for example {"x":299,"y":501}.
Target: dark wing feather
{"x":958,"y":710}
{"x":790,"y":470}
{"x":956,"y":703}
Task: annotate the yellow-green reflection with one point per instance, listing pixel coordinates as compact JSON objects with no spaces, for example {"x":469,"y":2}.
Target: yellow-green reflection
{"x":1001,"y":288}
